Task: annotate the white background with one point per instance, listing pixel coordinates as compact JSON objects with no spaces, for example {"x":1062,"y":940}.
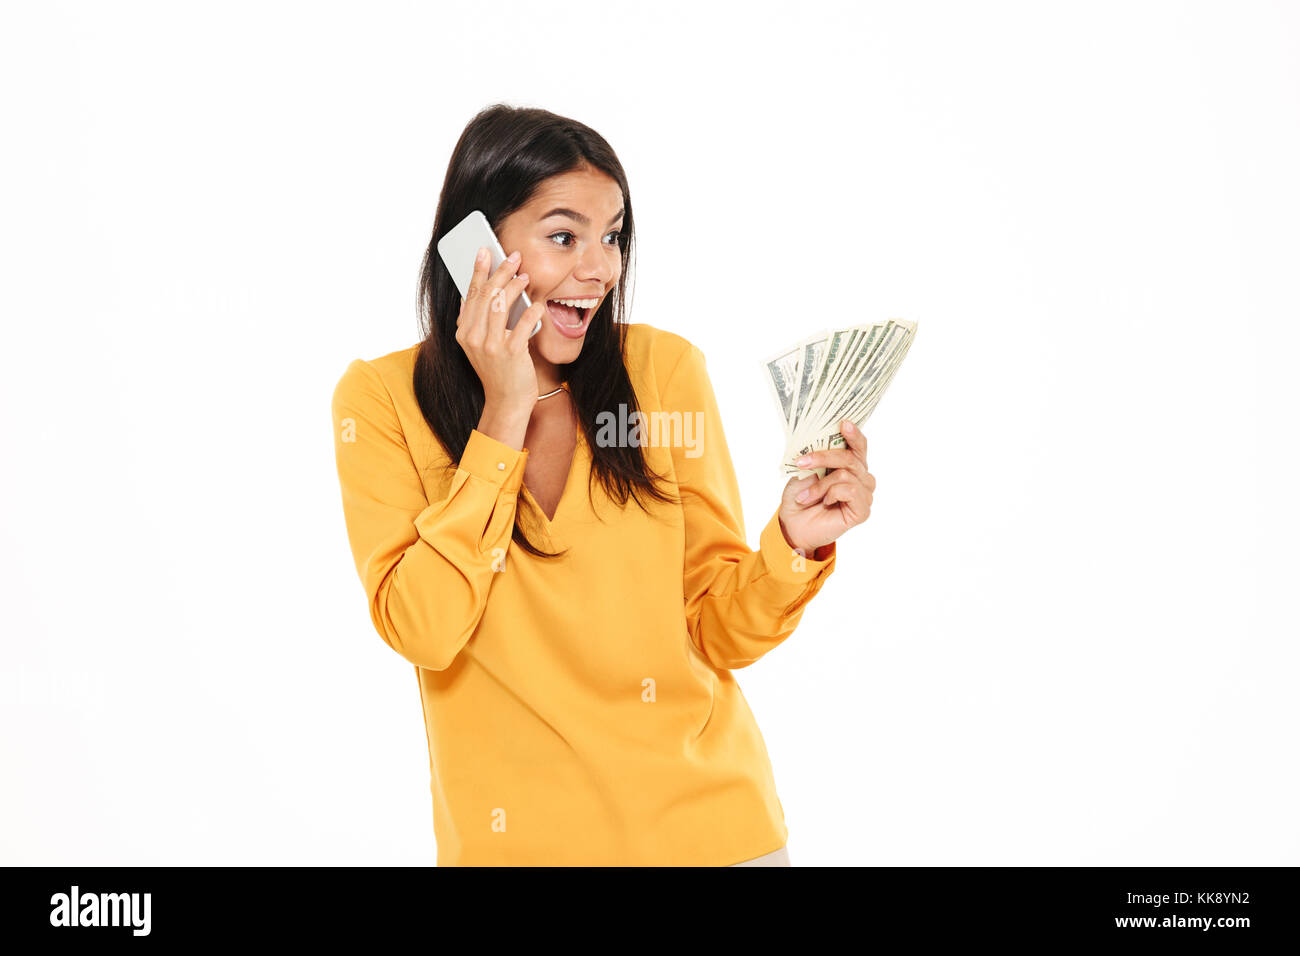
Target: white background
{"x":1066,"y":633}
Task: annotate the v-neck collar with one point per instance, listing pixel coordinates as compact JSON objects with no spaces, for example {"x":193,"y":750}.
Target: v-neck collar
{"x":579,"y":450}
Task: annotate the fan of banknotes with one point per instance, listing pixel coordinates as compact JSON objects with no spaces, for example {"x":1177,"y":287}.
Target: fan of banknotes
{"x":830,"y":376}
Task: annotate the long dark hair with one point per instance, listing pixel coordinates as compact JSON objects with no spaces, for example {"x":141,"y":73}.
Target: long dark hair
{"x":501,"y":158}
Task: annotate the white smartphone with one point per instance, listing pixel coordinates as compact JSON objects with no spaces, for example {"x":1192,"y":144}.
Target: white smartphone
{"x":459,"y":248}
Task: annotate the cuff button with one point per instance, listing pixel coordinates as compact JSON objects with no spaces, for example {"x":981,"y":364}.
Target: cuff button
{"x":501,"y":466}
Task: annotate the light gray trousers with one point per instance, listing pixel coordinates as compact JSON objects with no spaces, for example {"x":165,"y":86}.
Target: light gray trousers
{"x":775,"y":858}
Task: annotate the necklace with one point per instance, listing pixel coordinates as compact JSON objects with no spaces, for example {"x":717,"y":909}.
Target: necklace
{"x":549,"y":394}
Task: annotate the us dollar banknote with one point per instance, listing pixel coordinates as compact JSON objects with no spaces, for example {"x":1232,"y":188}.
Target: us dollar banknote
{"x":833,"y":375}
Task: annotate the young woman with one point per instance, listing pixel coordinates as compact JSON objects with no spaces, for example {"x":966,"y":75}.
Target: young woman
{"x":571,"y":582}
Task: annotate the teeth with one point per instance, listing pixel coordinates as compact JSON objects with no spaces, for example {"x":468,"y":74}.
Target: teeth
{"x":579,"y":304}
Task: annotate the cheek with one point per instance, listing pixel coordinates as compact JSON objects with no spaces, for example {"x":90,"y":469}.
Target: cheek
{"x":542,"y":277}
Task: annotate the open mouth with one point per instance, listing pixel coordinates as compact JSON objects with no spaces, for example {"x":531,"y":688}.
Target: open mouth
{"x":571,"y":314}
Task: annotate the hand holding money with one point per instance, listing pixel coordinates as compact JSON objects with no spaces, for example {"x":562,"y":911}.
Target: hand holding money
{"x":815,"y":511}
{"x":832,"y":376}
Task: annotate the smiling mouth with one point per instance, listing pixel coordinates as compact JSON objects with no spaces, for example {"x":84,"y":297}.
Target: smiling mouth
{"x":569,"y":315}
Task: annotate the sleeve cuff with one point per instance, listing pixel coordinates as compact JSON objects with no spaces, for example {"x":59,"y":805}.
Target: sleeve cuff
{"x":784,"y":562}
{"x":495,"y":462}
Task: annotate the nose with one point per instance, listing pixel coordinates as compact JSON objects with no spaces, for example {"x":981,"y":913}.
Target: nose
{"x":594,"y":266}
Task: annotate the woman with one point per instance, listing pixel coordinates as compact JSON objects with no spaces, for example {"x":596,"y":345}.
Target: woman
{"x":573,"y":646}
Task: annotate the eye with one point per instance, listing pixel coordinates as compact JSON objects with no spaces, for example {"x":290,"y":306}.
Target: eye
{"x":617,"y":234}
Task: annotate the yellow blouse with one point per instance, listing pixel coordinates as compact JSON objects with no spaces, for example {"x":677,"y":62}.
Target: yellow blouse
{"x":579,"y":710}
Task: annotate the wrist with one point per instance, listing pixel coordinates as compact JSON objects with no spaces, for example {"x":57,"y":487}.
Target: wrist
{"x":817,"y":554}
{"x":507,"y":424}
{"x":792,"y":543}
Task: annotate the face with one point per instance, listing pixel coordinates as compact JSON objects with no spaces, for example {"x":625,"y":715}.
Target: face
{"x":567,"y":237}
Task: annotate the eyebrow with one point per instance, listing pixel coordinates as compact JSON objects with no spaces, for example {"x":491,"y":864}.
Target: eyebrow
{"x":577,"y":216}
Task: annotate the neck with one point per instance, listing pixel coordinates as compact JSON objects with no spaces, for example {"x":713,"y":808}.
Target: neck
{"x":548,"y":375}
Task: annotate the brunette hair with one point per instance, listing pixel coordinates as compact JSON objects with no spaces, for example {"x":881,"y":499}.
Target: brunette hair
{"x":501,"y":158}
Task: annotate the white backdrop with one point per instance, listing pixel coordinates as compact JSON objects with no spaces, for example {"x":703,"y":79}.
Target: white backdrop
{"x":1066,"y":635}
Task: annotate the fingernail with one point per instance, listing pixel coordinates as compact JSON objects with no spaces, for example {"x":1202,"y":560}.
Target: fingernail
{"x":801,"y":496}
{"x":522,"y":275}
{"x":850,"y":427}
{"x":513,"y":257}
{"x":805,"y":460}
{"x":482,"y":255}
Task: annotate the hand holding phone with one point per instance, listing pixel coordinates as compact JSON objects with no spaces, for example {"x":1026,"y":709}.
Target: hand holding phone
{"x":500,"y":357}
{"x":458,"y":249}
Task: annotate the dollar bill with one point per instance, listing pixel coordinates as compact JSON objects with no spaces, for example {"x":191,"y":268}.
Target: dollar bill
{"x":831,"y":376}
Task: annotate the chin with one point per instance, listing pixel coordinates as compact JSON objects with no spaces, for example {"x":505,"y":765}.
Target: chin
{"x":555,"y":348}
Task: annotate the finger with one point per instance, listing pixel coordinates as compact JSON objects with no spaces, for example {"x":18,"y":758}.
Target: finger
{"x":483,"y":289}
{"x":856,"y":500}
{"x":481,"y":262}
{"x":798,"y":486}
{"x":819,"y":489}
{"x":857,"y":441}
{"x":502,"y":303}
{"x":518,"y":337}
{"x":477,"y":279}
{"x":506,"y":271}
{"x":831,"y":480}
{"x":812,"y":495}
{"x":834,"y":458}
{"x":847,"y":490}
